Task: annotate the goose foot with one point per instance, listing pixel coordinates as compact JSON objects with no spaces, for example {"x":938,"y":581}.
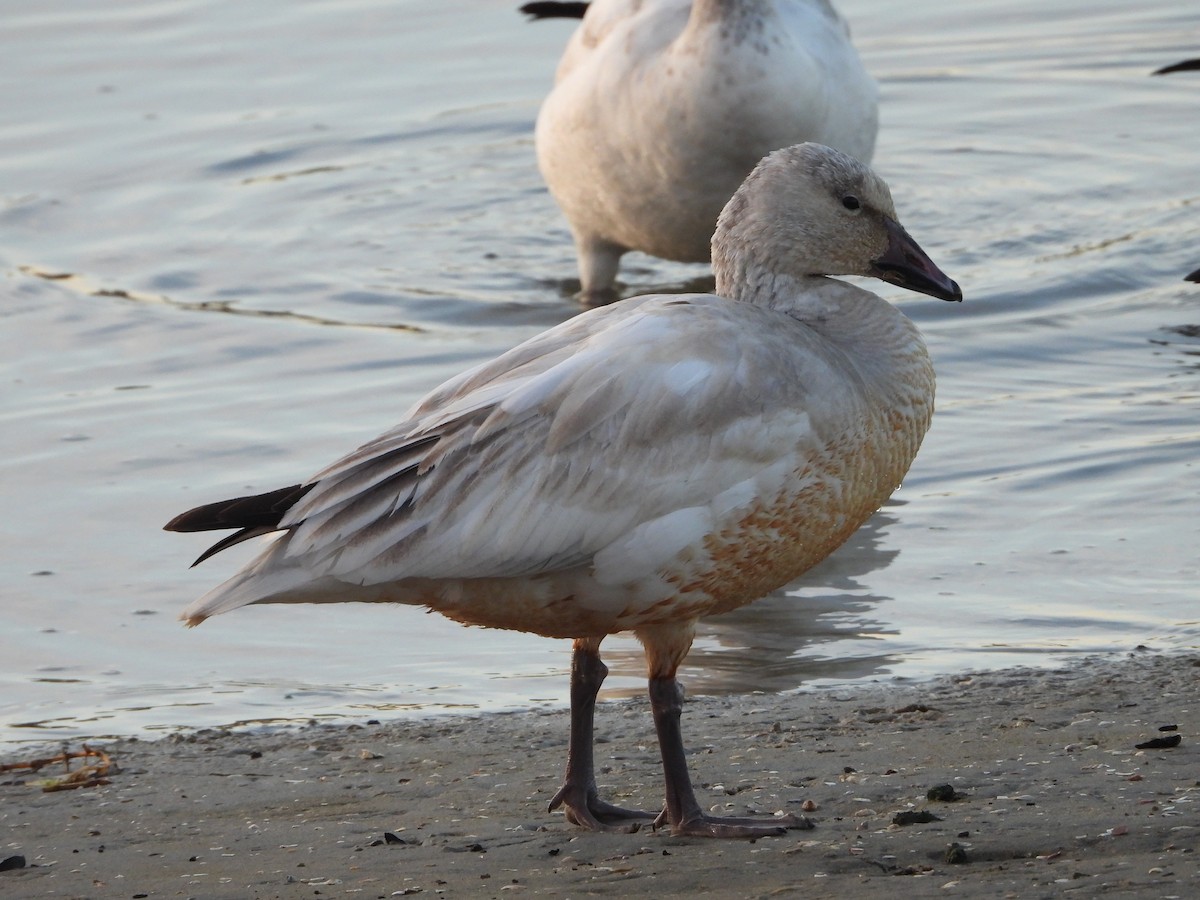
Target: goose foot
{"x":584,"y":808}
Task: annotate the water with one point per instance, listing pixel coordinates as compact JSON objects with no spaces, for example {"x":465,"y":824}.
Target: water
{"x":283,"y":222}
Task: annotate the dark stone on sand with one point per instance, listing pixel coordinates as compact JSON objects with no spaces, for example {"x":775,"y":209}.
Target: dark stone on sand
{"x":943,"y":793}
{"x":956,"y":854}
{"x":1161,"y":743}
{"x":914,"y":817}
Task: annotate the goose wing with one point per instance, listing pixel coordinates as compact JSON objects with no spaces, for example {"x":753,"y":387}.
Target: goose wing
{"x":542,"y":458}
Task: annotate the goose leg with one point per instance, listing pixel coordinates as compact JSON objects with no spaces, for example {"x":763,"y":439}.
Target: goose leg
{"x":683,"y":812}
{"x":578,"y":794}
{"x":598,"y":263}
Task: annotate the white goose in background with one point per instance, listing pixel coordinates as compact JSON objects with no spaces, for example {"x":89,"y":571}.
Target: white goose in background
{"x":637,"y":467}
{"x":661,"y":107}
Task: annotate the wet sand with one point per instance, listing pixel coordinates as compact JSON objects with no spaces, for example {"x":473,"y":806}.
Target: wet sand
{"x":1054,"y":799}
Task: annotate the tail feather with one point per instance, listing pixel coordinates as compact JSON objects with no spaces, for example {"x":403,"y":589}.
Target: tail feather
{"x":260,"y":581}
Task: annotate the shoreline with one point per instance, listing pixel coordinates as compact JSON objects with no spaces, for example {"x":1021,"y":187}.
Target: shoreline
{"x":1054,"y":798}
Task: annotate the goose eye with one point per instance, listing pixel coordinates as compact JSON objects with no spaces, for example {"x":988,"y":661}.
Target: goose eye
{"x":851,"y":202}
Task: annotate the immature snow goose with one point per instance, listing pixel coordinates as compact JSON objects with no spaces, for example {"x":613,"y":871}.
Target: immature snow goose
{"x":661,"y":107}
{"x":639,"y":466}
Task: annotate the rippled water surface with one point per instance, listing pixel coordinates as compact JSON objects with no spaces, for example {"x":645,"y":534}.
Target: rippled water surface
{"x":238,"y":239}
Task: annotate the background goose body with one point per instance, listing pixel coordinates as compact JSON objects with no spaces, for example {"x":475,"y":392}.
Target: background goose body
{"x":661,"y":108}
{"x":639,"y":466}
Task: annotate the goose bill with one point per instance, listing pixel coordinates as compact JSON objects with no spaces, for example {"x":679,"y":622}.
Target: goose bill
{"x":906,"y":264}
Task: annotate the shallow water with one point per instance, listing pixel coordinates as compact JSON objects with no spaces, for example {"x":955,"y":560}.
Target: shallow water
{"x":283,"y":222}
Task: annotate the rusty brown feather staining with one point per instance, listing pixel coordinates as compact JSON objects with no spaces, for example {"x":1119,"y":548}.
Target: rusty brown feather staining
{"x":768,"y":548}
{"x":518,"y":605}
{"x":771,"y":544}
{"x":666,"y":645}
{"x":679,"y":607}
{"x":779,"y":540}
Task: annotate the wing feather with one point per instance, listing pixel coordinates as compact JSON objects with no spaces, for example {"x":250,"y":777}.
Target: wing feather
{"x":540,"y":459}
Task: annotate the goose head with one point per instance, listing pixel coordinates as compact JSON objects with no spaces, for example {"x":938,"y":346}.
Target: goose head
{"x":809,"y":210}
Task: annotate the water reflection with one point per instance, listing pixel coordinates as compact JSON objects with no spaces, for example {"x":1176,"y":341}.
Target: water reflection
{"x":702,"y":282}
{"x":1185,"y":348}
{"x":215,"y":232}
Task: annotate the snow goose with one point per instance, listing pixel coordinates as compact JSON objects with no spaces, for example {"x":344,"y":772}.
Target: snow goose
{"x":638,"y":466}
{"x":661,"y":107}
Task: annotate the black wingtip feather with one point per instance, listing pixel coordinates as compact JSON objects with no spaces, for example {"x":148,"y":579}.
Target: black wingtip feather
{"x":252,"y":516}
{"x":229,"y":540}
{"x":553,"y":10}
{"x":1188,"y":65}
{"x":255,"y":511}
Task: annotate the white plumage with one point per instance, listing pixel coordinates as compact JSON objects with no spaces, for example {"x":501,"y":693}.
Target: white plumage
{"x":661,"y":107}
{"x":641,"y":465}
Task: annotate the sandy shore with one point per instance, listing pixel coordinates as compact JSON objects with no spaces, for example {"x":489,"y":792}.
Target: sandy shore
{"x":1055,"y":800}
